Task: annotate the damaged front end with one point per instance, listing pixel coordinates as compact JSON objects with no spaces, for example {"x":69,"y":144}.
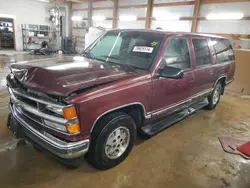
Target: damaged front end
{"x":48,"y":121}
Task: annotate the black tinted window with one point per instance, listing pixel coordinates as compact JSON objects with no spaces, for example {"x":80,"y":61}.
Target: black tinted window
{"x":223,"y":50}
{"x":202,"y":55}
{"x":177,"y":53}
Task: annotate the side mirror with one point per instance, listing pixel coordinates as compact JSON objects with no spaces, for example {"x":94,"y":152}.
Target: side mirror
{"x":171,"y":72}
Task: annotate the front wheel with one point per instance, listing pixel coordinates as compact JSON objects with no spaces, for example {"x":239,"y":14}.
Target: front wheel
{"x":214,"y":98}
{"x":112,"y":140}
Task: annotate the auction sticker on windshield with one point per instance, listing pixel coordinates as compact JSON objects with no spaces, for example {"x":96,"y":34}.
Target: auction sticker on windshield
{"x":143,"y":49}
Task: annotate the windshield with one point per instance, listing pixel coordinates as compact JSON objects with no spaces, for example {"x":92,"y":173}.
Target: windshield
{"x":129,"y":48}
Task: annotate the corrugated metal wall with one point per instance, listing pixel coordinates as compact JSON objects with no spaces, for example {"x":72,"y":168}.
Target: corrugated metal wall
{"x":163,"y":14}
{"x":224,"y":26}
{"x":79,"y":27}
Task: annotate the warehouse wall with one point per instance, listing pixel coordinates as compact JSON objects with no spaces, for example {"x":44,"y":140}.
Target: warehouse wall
{"x":139,"y":12}
{"x":165,"y":14}
{"x":241,"y":83}
{"x":224,"y":26}
{"x":79,"y":27}
{"x":26,"y":12}
{"x":107,"y":13}
{"x":161,"y":14}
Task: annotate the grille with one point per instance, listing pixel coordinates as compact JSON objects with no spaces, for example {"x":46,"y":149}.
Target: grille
{"x":35,"y":121}
{"x":32,"y":117}
{"x":27,"y":101}
{"x":32,"y":105}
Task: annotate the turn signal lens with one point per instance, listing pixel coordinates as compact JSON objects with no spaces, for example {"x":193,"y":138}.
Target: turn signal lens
{"x":73,"y":128}
{"x":69,"y":113}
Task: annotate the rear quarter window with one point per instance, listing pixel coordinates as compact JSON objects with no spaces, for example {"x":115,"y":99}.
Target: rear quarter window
{"x":201,"y":50}
{"x":223,"y":50}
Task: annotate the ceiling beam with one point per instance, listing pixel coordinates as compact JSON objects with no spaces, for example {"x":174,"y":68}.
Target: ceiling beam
{"x":232,"y":36}
{"x":222,"y":1}
{"x":174,"y":4}
{"x":102,"y":8}
{"x":204,"y":18}
{"x":195,"y":15}
{"x":89,"y":13}
{"x":59,"y":2}
{"x":115,"y":14}
{"x":80,"y":9}
{"x":76,"y":1}
{"x":69,"y":19}
{"x":149,"y":14}
{"x":133,"y":6}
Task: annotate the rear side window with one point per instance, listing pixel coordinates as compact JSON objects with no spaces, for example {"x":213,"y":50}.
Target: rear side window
{"x":177,"y":53}
{"x":201,"y":49}
{"x":223,"y":50}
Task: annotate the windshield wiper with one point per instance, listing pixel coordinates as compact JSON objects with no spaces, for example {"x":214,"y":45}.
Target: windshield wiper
{"x":91,"y":56}
{"x":120,"y":64}
{"x":88,"y":55}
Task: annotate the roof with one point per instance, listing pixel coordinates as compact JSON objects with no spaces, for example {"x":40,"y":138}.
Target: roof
{"x":169,"y":32}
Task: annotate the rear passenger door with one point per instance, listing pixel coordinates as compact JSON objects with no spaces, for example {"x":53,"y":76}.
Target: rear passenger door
{"x":203,"y":70}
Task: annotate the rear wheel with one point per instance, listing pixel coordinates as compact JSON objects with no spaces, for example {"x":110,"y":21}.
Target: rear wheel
{"x":214,"y":98}
{"x":112,"y":140}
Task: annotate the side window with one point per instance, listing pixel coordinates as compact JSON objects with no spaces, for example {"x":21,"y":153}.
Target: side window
{"x":177,"y":53}
{"x":201,"y":50}
{"x":223,"y":50}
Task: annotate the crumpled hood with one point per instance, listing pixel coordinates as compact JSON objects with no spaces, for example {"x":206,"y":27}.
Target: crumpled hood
{"x":62,"y":76}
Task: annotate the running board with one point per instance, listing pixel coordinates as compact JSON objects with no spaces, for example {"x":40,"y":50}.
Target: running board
{"x":153,"y":129}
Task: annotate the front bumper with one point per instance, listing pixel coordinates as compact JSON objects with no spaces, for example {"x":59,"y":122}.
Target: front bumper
{"x":60,"y":148}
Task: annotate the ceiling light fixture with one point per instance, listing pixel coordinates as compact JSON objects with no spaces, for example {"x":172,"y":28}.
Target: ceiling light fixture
{"x":224,"y":16}
{"x":46,"y":1}
{"x":98,"y":18}
{"x":8,"y":16}
{"x":128,"y":18}
{"x":76,"y":18}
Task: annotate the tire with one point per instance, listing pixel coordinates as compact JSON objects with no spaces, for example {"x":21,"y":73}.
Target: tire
{"x":214,"y":98}
{"x":106,"y":151}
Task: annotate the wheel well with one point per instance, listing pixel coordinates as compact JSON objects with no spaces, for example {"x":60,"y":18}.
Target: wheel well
{"x":223,"y":83}
{"x":136,"y":111}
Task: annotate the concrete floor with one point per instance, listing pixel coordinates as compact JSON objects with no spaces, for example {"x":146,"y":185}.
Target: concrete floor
{"x":187,"y":154}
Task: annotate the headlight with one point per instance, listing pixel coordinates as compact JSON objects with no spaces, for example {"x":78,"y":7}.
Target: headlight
{"x":55,"y":125}
{"x":54,"y":109}
{"x":68,"y":113}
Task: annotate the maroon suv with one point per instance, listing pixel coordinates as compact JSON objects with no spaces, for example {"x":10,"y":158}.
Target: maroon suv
{"x":127,"y":81}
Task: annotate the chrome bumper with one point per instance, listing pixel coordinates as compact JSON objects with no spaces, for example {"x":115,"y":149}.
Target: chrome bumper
{"x":60,"y":148}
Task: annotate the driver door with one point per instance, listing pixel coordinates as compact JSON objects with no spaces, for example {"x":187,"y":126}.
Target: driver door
{"x":171,"y":95}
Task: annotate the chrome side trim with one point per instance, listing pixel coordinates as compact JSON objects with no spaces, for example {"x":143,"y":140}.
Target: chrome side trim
{"x":55,"y":142}
{"x":169,"y":108}
{"x":157,"y":112}
{"x":119,"y":107}
{"x":148,"y":116}
{"x":202,"y":93}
